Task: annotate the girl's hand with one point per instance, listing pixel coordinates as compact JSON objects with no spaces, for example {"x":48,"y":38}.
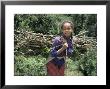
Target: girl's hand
{"x":65,"y":45}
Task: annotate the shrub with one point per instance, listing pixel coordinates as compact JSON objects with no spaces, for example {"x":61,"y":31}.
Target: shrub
{"x":29,"y":66}
{"x":88,"y":63}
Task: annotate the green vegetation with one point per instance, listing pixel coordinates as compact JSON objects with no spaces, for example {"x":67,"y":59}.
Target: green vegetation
{"x":32,"y":65}
{"x":32,"y":42}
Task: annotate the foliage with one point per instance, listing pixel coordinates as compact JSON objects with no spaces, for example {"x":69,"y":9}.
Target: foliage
{"x":71,"y":68}
{"x":86,"y":62}
{"x":29,"y":66}
{"x":39,"y":23}
{"x":49,"y":23}
{"x":85,"y":22}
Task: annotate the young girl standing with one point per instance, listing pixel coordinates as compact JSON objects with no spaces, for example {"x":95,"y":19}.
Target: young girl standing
{"x":62,"y":47}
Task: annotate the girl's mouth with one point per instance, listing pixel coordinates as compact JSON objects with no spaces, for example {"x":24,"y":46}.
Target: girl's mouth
{"x":66,"y":33}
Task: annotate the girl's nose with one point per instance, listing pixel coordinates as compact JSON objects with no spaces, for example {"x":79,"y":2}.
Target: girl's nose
{"x":66,"y":29}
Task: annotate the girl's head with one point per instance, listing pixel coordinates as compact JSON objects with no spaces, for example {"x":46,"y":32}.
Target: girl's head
{"x":67,"y":28}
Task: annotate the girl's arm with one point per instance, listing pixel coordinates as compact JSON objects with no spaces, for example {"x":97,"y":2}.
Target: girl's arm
{"x":65,"y":45}
{"x":57,"y":42}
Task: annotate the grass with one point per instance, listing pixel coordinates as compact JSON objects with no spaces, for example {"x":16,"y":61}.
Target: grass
{"x":72,"y":68}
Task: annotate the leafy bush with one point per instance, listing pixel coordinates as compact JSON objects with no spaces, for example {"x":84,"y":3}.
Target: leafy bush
{"x":71,"y":68}
{"x":86,"y":58}
{"x":29,"y":66}
{"x":88,"y":63}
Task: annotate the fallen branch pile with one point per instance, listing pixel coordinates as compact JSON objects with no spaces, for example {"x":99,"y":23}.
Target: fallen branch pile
{"x":32,"y":43}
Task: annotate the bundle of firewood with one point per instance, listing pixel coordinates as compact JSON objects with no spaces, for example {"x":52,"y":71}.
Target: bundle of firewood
{"x":29,"y":41}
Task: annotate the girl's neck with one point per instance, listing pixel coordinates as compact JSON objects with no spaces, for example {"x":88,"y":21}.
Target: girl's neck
{"x":65,"y":37}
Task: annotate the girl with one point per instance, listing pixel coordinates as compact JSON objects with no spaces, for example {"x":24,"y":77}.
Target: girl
{"x":62,"y":47}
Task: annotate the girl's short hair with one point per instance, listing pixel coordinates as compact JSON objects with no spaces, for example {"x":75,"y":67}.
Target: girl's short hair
{"x":72,"y":25}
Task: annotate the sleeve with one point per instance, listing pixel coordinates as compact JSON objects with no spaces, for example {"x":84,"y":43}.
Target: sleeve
{"x":55,"y":44}
{"x":70,"y":49}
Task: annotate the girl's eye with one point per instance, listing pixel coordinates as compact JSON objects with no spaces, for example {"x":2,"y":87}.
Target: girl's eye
{"x":67,"y":28}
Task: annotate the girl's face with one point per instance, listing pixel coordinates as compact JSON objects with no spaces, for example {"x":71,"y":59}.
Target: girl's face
{"x":67,"y":29}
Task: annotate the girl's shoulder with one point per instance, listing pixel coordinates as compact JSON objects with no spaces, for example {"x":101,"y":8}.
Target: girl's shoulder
{"x":56,"y":40}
